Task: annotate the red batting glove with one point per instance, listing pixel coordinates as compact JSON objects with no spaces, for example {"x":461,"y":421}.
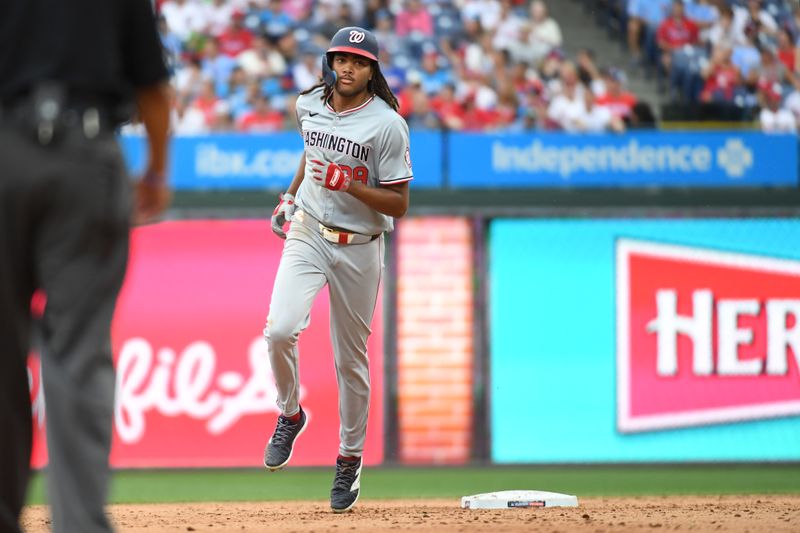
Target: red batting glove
{"x":332,"y":177}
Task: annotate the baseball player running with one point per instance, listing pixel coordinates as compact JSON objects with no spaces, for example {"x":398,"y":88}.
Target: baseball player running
{"x":351,"y":182}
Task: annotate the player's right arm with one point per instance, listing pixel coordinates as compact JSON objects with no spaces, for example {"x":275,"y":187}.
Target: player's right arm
{"x":298,"y":176}
{"x":285,"y":209}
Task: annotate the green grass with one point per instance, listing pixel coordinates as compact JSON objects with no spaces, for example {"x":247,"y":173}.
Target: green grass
{"x":136,"y":486}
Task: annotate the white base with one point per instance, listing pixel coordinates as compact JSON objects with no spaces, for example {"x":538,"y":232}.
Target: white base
{"x":509,"y":499}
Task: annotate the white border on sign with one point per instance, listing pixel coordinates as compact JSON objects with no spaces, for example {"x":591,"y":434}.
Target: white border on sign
{"x":627,"y":423}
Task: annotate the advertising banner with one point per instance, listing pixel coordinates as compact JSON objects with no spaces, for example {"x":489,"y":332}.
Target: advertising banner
{"x":647,"y":159}
{"x":268,"y":161}
{"x":645,"y":340}
{"x":194,"y":384}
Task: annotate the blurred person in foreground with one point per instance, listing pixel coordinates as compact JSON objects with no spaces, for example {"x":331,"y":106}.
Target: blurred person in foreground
{"x":68,"y":74}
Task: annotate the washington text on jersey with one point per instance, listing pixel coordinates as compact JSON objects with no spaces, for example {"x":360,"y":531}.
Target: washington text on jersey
{"x":328,"y":141}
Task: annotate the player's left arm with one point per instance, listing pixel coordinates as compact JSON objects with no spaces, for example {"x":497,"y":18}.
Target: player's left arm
{"x":391,"y":200}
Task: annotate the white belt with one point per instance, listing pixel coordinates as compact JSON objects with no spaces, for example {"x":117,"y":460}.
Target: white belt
{"x":330,"y":234}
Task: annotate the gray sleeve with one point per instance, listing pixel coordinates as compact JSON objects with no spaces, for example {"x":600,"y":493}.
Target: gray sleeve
{"x":299,"y":112}
{"x":394,"y":163}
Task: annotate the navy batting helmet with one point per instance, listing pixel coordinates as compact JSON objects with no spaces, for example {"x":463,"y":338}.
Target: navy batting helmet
{"x":353,"y":40}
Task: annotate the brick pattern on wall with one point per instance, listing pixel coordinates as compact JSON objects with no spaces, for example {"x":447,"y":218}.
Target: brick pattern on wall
{"x":435,"y":339}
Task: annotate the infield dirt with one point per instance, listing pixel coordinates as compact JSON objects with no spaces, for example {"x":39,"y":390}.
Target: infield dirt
{"x":672,"y":513}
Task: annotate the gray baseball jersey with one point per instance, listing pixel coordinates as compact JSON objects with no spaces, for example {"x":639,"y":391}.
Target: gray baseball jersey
{"x":370,"y":141}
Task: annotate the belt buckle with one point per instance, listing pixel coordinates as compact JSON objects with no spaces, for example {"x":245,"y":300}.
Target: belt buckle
{"x":338,"y":237}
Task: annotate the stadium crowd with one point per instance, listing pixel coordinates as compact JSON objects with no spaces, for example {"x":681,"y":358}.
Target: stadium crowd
{"x":468,"y":65}
{"x":721,"y":59}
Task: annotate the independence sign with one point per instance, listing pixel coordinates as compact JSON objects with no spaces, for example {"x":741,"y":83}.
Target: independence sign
{"x":652,"y":159}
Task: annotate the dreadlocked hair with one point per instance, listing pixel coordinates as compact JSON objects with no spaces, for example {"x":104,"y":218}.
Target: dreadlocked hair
{"x":377,"y":86}
{"x":325,"y":94}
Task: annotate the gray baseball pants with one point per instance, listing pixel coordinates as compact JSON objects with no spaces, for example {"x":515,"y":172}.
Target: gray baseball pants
{"x":352,"y":273}
{"x":64,"y":225}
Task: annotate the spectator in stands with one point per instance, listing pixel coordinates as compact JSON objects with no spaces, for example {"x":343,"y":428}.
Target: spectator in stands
{"x":237,"y":84}
{"x":704,"y":13}
{"x":421,"y":115}
{"x":747,"y":58}
{"x":507,"y":31}
{"x":241,"y":99}
{"x":406,"y":97}
{"x":173,"y":47}
{"x":550,"y":71}
{"x":274,"y":22}
{"x":588,"y":72}
{"x":448,"y":108}
{"x":792,"y":101}
{"x":507,"y":108}
{"x":384,"y":32}
{"x":773,"y":117}
{"x":218,"y":16}
{"x":787,"y":51}
{"x":618,"y":101}
{"x":189,"y":120}
{"x":479,"y":107}
{"x":263,"y":60}
{"x":529,"y":89}
{"x":289,"y":48}
{"x":644,"y":18}
{"x":545,"y":33}
{"x":497,"y":70}
{"x":217,"y":67}
{"x":297,"y":9}
{"x":597,"y":118}
{"x":327,"y":20}
{"x":262,"y":118}
{"x":480,"y":58}
{"x":793,"y":23}
{"x":394,"y":75}
{"x":756,"y":21}
{"x":308,"y":71}
{"x":188,"y":81}
{"x":222,"y":119}
{"x":414,"y":20}
{"x":675,"y":32}
{"x":725,"y":32}
{"x":434,"y":75}
{"x":206,"y":101}
{"x":486,"y":12}
{"x":184,"y":17}
{"x":235,"y":39}
{"x":722,"y":78}
{"x":567,"y":110}
{"x":770,"y":70}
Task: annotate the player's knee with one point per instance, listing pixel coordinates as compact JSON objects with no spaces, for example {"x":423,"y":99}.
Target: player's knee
{"x":277,"y":333}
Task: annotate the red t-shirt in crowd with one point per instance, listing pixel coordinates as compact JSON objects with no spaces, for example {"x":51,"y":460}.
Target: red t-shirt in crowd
{"x":674,"y":33}
{"x":620,"y":105}
{"x":722,"y":80}
{"x":233,"y":42}
{"x":448,"y":110}
{"x":261,"y":122}
{"x":787,"y":57}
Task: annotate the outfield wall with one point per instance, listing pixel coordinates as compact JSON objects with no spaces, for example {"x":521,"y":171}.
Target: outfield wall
{"x":645,"y":340}
{"x":720,"y":159}
{"x":636,"y":333}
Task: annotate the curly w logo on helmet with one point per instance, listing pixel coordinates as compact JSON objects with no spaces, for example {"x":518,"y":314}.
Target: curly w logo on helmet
{"x":357,"y":36}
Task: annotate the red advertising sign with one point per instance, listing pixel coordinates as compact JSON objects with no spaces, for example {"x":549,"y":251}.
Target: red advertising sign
{"x":704,"y":336}
{"x":194,"y":385}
